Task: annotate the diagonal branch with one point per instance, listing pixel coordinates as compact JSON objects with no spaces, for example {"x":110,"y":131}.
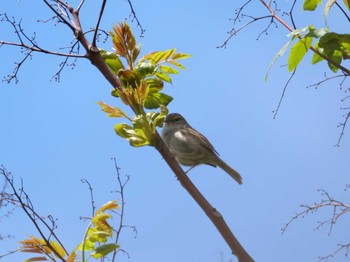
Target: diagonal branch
{"x":214,"y":215}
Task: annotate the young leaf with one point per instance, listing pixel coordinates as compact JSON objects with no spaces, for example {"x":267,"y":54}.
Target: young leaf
{"x":298,"y":51}
{"x":104,"y":250}
{"x":175,"y":63}
{"x":112,"y":60}
{"x":111,"y":205}
{"x":178,"y":56}
{"x":168,"y":70}
{"x":310,"y":5}
{"x":155,"y":84}
{"x":336,"y":57}
{"x":158,"y":56}
{"x":316,"y":58}
{"x":162,"y":56}
{"x":58,"y":248}
{"x":145,"y":69}
{"x":72,"y":257}
{"x":37,"y":259}
{"x":158,"y":119}
{"x":112,"y":111}
{"x":154,"y":100}
{"x":135,"y":136}
{"x":164,"y":77}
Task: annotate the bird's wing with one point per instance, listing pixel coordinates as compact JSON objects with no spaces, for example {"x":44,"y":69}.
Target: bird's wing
{"x":201,"y":139}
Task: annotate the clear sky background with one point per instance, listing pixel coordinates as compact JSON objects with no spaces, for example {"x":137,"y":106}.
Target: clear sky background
{"x":53,"y":135}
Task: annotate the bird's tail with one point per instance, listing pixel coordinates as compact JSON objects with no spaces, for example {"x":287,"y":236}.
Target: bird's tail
{"x":229,"y":170}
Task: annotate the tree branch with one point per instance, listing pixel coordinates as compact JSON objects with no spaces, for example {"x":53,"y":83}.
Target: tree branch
{"x":94,"y":56}
{"x":214,"y":215}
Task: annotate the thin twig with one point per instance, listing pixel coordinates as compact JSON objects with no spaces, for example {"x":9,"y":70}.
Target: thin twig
{"x":275,"y":112}
{"x":93,"y":45}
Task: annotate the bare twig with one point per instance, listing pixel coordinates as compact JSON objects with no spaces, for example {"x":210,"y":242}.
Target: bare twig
{"x":338,"y":209}
{"x":275,"y":112}
{"x":235,"y":31}
{"x":343,"y":125}
{"x":341,"y":247}
{"x":22,"y":199}
{"x":93,"y":207}
{"x":120,"y":191}
{"x":343,"y":11}
{"x":93,"y":45}
{"x":134,"y":17}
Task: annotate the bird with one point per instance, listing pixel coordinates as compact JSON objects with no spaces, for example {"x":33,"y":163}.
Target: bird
{"x":191,"y":148}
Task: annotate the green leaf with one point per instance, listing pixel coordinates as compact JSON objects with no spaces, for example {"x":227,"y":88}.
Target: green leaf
{"x":157,"y":119}
{"x":87,"y":244}
{"x":298,"y":51}
{"x":328,"y":38}
{"x":154,"y":100}
{"x":316,"y":58}
{"x":123,"y":130}
{"x":175,"y":63}
{"x":168,"y":70}
{"x":310,"y":5}
{"x":155,"y":84}
{"x":163,"y":76}
{"x":336,"y":57}
{"x":112,"y":60}
{"x":146,"y":69}
{"x":162,"y":55}
{"x":158,"y":56}
{"x":136,"y":136}
{"x":97,"y":237}
{"x":334,"y":46}
{"x":104,"y":250}
{"x":58,"y":248}
{"x":178,"y":56}
{"x":129,"y":78}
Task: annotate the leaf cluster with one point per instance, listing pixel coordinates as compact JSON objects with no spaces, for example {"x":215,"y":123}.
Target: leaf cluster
{"x":142,"y":84}
{"x":98,"y":233}
{"x":95,"y":241}
{"x":47,"y":252}
{"x":330,"y":46}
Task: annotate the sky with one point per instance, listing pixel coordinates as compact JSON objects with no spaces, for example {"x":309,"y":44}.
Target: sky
{"x":53,"y":135}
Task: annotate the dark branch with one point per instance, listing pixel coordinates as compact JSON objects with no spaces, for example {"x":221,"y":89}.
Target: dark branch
{"x":134,"y":17}
{"x":93,"y":207}
{"x":93,"y":45}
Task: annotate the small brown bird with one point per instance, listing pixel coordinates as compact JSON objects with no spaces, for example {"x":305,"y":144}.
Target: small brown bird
{"x":191,"y":148}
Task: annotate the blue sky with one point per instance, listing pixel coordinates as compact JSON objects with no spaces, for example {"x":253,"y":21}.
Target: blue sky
{"x":54,"y":134}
